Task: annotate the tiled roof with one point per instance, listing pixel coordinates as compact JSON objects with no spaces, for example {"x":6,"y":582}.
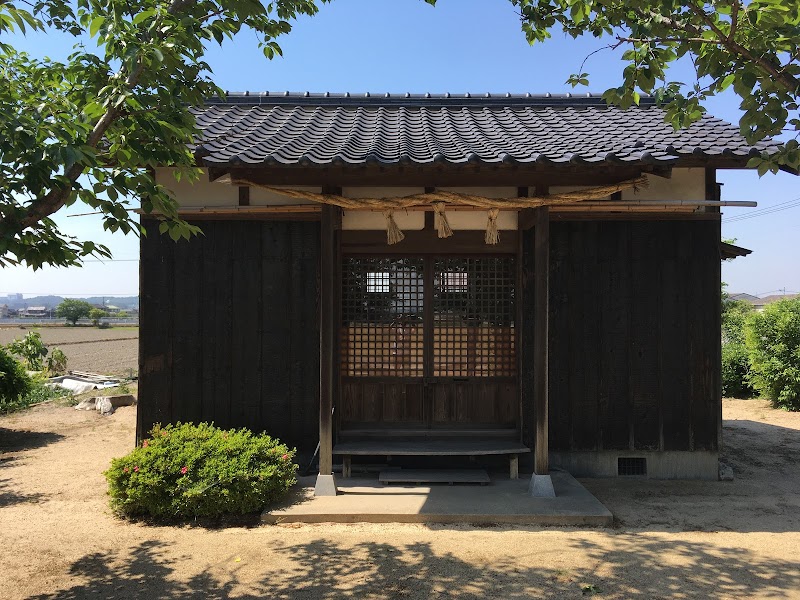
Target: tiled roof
{"x":344,"y":129}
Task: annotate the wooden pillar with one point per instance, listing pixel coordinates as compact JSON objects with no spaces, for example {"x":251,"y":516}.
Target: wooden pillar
{"x":327,"y":347}
{"x":541,"y":339}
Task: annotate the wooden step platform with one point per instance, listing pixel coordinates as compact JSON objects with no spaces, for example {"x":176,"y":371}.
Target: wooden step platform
{"x":448,"y":476}
{"x":427,"y":447}
{"x":431,"y":447}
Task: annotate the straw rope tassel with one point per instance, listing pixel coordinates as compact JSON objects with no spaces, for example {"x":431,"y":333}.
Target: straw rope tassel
{"x":393,"y":233}
{"x":440,"y":220}
{"x":492,"y":234}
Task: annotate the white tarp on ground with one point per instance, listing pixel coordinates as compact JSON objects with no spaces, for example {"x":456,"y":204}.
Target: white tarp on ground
{"x":78,"y":385}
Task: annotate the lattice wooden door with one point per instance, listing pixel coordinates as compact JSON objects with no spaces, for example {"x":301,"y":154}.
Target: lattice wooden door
{"x":428,"y":343}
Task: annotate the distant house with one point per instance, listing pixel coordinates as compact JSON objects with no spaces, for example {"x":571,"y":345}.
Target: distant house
{"x":34,"y":312}
{"x":760,"y":303}
{"x":775,"y":298}
{"x":3,"y":311}
{"x":746,"y":297}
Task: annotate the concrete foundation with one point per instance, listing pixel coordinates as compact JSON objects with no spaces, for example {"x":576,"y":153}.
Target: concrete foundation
{"x":660,"y":465}
{"x":364,"y":500}
{"x":325,"y":486}
{"x":541,"y":486}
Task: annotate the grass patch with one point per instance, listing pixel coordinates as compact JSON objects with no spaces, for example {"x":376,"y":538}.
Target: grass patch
{"x":38,"y":393}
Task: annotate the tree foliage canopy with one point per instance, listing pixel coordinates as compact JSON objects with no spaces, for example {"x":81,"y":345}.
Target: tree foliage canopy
{"x":73,"y":310}
{"x":752,"y":47}
{"x":88,"y":128}
{"x":773,"y":344}
{"x":735,"y":359}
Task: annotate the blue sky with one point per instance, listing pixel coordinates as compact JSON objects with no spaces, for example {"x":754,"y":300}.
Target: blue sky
{"x":458,"y":46}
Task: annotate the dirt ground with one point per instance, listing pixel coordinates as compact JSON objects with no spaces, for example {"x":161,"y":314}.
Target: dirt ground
{"x":112,"y":351}
{"x":674,"y":539}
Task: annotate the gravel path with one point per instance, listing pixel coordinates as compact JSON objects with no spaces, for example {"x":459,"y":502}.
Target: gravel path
{"x":675,"y":539}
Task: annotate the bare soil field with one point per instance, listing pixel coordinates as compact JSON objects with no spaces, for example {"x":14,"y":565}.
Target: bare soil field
{"x":674,"y":539}
{"x":112,"y":351}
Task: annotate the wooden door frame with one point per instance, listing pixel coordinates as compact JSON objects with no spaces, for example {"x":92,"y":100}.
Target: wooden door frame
{"x":466,"y":249}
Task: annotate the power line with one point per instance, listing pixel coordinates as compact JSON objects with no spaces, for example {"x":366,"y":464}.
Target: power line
{"x":767,"y":210}
{"x":795,"y":202}
{"x":762,"y":214}
{"x":770,"y":207}
{"x":784,"y":290}
{"x":82,"y":295}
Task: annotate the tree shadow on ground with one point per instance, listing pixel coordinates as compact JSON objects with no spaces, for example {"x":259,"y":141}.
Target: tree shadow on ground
{"x":627,"y":565}
{"x":15,"y":440}
{"x":141,"y":573}
{"x":9,"y":496}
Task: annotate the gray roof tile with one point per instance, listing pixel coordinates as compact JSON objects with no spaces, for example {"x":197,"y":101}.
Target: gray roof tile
{"x":323,"y":129}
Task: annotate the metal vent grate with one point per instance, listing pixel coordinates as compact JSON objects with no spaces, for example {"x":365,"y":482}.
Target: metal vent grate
{"x":631,"y":466}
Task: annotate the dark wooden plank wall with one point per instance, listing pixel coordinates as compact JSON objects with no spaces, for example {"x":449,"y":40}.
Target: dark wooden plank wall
{"x":634,"y":335}
{"x":229,"y":328}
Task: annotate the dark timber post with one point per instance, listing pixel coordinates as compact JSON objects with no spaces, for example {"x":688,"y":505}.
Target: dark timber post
{"x":541,"y":303}
{"x":541,"y":484}
{"x":327,"y":327}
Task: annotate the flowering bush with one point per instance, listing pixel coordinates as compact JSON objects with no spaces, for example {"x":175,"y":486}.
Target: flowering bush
{"x":187,"y":471}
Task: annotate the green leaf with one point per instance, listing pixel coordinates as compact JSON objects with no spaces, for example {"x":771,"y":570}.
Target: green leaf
{"x":143,"y":16}
{"x":96,"y":24}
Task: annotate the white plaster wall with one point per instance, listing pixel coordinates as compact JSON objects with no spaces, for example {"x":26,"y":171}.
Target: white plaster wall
{"x":462,"y":219}
{"x":209,"y":193}
{"x":198,"y":193}
{"x":685,"y":184}
{"x":410,"y":220}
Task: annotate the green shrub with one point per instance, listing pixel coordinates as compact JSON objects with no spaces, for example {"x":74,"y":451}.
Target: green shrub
{"x":186,"y":471}
{"x":773,"y":346}
{"x":735,"y":360}
{"x":57,"y":361}
{"x":736,"y":372}
{"x":15,"y":384}
{"x":41,"y":392}
{"x":96,"y":314}
{"x":31,"y":348}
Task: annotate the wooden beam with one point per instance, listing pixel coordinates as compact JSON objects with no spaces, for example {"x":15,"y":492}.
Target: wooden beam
{"x":633,"y":216}
{"x":327,"y":341}
{"x":432,"y":176}
{"x":527,"y":216}
{"x":425,"y":241}
{"x":541,"y":338}
{"x":526,"y":219}
{"x":244,"y":195}
{"x":248,"y":216}
{"x":521,"y":342}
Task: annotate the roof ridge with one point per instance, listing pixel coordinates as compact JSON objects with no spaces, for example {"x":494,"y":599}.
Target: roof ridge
{"x":409,"y":99}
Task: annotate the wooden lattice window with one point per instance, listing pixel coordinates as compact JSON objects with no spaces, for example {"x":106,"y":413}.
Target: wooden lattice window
{"x":467,"y":330}
{"x":382,"y":314}
{"x":473,"y":327}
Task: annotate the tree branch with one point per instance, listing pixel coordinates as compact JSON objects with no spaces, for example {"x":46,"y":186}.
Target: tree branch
{"x":57,"y":197}
{"x":667,"y":40}
{"x":791,"y":83}
{"x":734,"y":19}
